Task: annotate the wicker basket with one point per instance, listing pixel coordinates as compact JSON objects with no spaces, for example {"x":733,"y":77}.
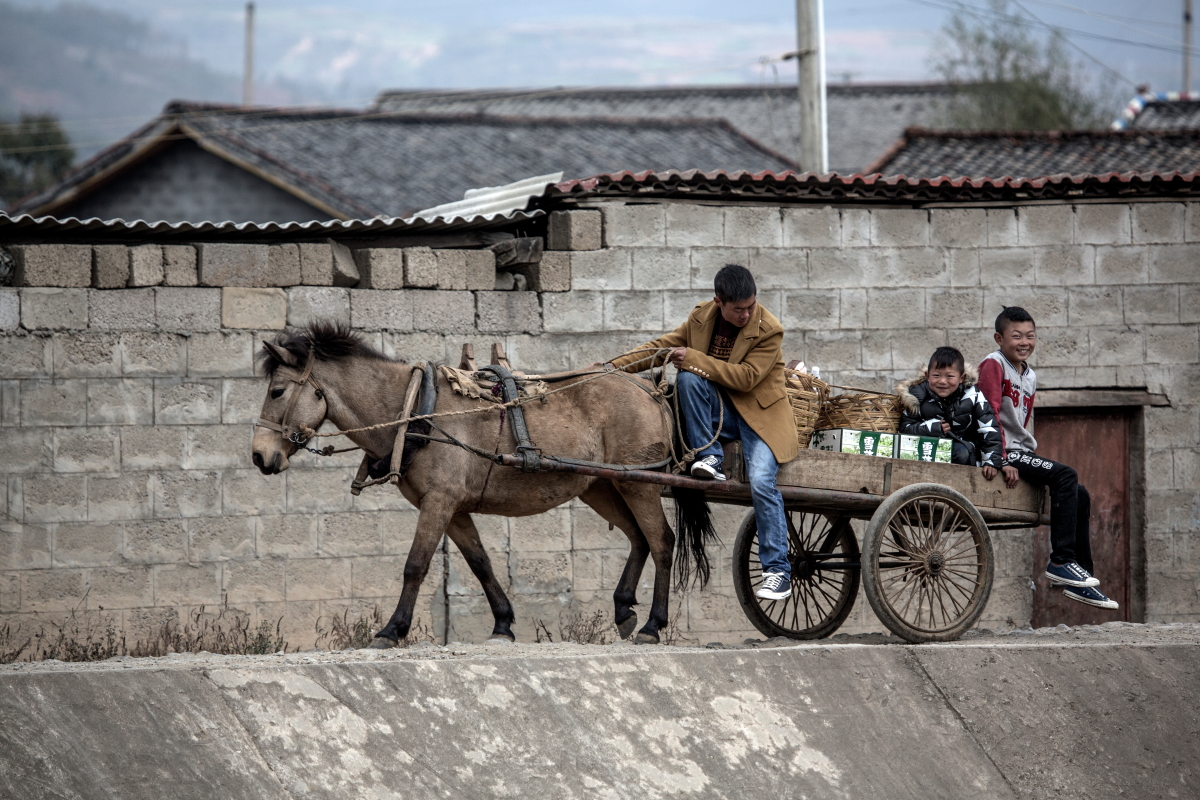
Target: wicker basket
{"x":862,"y":411}
{"x":806,"y":395}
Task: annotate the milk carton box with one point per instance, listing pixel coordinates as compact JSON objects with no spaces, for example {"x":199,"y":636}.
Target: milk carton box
{"x":846,"y":440}
{"x":923,"y":448}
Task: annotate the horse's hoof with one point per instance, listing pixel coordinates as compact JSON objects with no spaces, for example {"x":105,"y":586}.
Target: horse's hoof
{"x":645,"y":638}
{"x":626,"y":628}
{"x":381,"y":643}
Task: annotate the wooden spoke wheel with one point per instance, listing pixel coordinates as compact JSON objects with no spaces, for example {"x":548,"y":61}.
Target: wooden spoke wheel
{"x":825,"y":573}
{"x":927,"y":563}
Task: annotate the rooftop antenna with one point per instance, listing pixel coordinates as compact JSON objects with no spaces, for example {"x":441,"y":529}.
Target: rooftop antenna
{"x":248,"y":78}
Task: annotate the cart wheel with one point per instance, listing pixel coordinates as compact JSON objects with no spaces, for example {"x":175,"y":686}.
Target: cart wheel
{"x":825,"y":566}
{"x":927,"y":563}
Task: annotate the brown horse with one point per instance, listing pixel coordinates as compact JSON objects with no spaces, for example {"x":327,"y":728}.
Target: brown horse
{"x":325,"y":372}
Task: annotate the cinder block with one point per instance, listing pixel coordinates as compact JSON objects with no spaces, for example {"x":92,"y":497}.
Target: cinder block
{"x":316,"y":263}
{"x":256,"y":309}
{"x":62,"y":265}
{"x":1174,"y":263}
{"x":509,"y":311}
{"x":602,"y":269}
{"x":1121,"y":265}
{"x":694,"y":225}
{"x":954,"y":308}
{"x":119,"y":497}
{"x":1002,"y":227}
{"x":223,"y":354}
{"x":1117,"y":346}
{"x":85,"y":545}
{"x":156,"y":354}
{"x":283,"y":265}
{"x":145,"y":265}
{"x":25,"y":450}
{"x":778,"y":268}
{"x":481,"y":270}
{"x":1065,"y":266}
{"x":574,"y":230}
{"x":221,"y":539}
{"x":753,"y":226}
{"x":958,"y":227}
{"x":1009,"y":266}
{"x":420,"y":268}
{"x":1156,"y":303}
{"x":382,"y":267}
{"x":308,"y":304}
{"x":811,"y":309}
{"x":56,"y":402}
{"x":571,"y":312}
{"x":1172,"y":344}
{"x":1159,"y":222}
{"x":550,"y":274}
{"x":661,"y":267}
{"x":184,"y":493}
{"x":819,"y":226}
{"x":90,"y":449}
{"x":633,"y":311}
{"x":1095,"y":305}
{"x":145,"y":447}
{"x":835,"y":268}
{"x":233,"y":264}
{"x":446,"y":312}
{"x":1103,"y":223}
{"x":187,"y":584}
{"x":895,"y":308}
{"x":1046,"y":225}
{"x":179,"y":265}
{"x":452,"y":269}
{"x":383,"y":310}
{"x":188,"y":309}
{"x":10,"y":310}
{"x":110,"y":266}
{"x":1062,"y":347}
{"x":899,"y":227}
{"x":122,"y":309}
{"x":55,"y":498}
{"x":54,"y":309}
{"x":187,"y":402}
{"x":635,"y":225}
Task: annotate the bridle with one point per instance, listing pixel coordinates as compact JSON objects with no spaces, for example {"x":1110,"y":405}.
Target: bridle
{"x":284,"y":426}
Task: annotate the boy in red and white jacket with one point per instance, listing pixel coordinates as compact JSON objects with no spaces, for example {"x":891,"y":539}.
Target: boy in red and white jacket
{"x":1009,"y":385}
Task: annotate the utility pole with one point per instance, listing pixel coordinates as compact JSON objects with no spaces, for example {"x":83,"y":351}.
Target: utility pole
{"x":1187,"y":45}
{"x":248,"y":78}
{"x":810,"y":60}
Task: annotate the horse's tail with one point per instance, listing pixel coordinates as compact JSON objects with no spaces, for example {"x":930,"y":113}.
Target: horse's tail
{"x":694,"y":528}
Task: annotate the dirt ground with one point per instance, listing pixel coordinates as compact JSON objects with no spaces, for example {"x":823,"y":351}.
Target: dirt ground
{"x":1111,"y":633}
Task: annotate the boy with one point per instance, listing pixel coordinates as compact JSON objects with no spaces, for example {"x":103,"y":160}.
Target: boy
{"x":947,"y":404}
{"x":1009,"y":384}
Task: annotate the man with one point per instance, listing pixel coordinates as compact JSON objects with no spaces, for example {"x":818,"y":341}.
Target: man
{"x":729,"y":353}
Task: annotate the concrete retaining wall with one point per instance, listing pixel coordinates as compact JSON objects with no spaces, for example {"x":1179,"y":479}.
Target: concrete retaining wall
{"x":831,"y":722}
{"x":124,"y":412}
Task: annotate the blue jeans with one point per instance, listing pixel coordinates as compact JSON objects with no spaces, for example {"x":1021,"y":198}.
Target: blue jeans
{"x":701,"y":401}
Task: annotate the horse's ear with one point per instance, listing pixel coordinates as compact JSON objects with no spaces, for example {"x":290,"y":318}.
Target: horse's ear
{"x":281,"y":355}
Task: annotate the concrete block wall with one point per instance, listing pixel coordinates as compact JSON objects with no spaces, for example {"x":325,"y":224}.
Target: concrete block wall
{"x":124,"y":412}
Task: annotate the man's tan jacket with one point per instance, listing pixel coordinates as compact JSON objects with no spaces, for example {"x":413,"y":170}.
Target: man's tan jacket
{"x":752,"y":378}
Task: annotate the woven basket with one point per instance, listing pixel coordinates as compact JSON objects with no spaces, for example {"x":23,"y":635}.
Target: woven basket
{"x":862,"y":411}
{"x":806,"y":395}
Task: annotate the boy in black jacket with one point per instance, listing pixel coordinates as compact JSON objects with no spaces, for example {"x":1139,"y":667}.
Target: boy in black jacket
{"x":947,"y":404}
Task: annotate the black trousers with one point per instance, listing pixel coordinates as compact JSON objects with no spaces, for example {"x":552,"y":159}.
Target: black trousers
{"x":1070,"y":506}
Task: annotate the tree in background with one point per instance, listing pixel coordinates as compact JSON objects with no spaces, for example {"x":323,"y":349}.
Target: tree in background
{"x":34,"y":153}
{"x":1009,"y":80}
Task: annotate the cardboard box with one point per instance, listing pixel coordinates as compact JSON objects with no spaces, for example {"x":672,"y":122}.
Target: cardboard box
{"x":846,"y":440}
{"x":923,"y":448}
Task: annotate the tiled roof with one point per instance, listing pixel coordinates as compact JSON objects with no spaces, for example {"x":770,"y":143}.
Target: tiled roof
{"x":1164,"y":111}
{"x":359,"y":164}
{"x":863,"y":119}
{"x":929,"y":154}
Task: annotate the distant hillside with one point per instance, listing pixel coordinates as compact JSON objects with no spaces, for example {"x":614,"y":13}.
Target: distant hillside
{"x":103,"y":73}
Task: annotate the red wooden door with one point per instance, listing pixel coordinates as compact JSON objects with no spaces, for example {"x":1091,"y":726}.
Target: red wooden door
{"x":1096,"y":444}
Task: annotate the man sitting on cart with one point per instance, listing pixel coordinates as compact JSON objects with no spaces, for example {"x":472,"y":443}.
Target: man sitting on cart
{"x":729,"y":353}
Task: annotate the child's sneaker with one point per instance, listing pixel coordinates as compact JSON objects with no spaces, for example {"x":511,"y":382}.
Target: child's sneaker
{"x":708,"y":469}
{"x":1069,"y":574}
{"x":1091,"y":596}
{"x":774,"y":587}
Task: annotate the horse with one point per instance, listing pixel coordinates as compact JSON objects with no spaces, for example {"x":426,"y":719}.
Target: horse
{"x":327,"y":372}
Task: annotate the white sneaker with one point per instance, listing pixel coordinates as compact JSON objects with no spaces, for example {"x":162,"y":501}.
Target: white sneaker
{"x":708,"y":469}
{"x":774,"y":587}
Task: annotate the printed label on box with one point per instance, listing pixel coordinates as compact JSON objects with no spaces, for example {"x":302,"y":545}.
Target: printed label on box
{"x":924,"y":448}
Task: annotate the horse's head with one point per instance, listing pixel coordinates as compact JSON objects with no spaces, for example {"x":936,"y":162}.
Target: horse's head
{"x":294,"y":401}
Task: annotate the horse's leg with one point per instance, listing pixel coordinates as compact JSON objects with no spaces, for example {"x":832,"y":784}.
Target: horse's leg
{"x":606,"y":501}
{"x":645,"y":502}
{"x":465,"y":536}
{"x":431,"y":524}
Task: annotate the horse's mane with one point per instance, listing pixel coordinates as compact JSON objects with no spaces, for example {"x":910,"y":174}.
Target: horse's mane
{"x":328,"y":341}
